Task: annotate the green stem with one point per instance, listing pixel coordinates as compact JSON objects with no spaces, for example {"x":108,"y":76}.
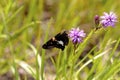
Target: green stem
{"x":13,"y":62}
{"x":73,"y":61}
{"x":42,"y":65}
{"x":37,"y":67}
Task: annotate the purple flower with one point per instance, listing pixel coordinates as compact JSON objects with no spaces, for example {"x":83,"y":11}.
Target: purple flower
{"x":108,"y":19}
{"x":76,"y":35}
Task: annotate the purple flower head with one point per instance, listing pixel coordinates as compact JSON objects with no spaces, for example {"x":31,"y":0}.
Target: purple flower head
{"x":76,"y":35}
{"x":108,"y":19}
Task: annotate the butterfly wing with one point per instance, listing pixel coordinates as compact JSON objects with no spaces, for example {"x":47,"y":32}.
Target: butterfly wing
{"x":62,"y":37}
{"x":62,"y":40}
{"x":49,"y":44}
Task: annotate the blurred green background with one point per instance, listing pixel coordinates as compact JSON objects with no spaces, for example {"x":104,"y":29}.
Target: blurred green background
{"x":29,"y":21}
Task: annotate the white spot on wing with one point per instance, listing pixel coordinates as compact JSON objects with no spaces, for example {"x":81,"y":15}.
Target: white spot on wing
{"x":61,"y":42}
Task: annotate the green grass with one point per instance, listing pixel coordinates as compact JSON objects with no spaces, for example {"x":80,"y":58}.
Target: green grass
{"x":26,"y":25}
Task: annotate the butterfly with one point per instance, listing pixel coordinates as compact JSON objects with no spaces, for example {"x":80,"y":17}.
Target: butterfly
{"x":59,"y":41}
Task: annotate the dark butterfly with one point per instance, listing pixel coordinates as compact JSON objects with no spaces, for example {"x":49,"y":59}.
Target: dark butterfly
{"x":59,"y":41}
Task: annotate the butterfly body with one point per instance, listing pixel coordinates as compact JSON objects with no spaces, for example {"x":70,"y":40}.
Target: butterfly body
{"x":59,"y":41}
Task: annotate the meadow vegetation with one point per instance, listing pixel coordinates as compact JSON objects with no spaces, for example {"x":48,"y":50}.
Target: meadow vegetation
{"x":25,"y":25}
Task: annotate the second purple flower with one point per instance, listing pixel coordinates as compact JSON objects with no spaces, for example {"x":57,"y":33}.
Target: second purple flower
{"x":108,"y":19}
